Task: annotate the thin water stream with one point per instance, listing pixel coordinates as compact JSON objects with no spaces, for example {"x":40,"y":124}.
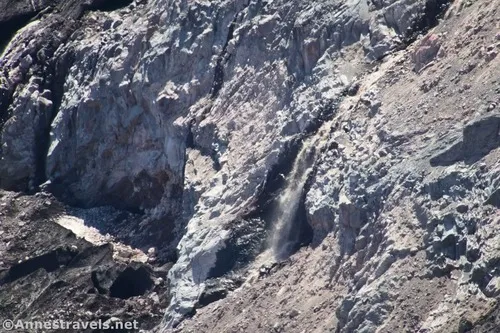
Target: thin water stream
{"x":284,"y":236}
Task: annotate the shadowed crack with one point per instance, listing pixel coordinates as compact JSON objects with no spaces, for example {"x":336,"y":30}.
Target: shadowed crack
{"x":221,"y":61}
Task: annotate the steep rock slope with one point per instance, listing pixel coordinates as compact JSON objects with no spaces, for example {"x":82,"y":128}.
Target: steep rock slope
{"x":197,"y":115}
{"x":403,"y":204}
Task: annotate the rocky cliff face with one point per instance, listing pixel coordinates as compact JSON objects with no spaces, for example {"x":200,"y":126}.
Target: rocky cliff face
{"x":304,"y":165}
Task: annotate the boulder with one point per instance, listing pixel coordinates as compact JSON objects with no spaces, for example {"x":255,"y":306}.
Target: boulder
{"x":426,"y":51}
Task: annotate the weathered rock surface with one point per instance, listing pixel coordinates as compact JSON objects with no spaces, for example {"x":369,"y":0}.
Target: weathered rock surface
{"x":47,"y":272}
{"x":185,"y":120}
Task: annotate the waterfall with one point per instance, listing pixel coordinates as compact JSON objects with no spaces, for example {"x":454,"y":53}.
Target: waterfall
{"x":284,"y":236}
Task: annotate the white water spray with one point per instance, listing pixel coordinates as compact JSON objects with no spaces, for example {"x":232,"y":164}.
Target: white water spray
{"x":283,"y":237}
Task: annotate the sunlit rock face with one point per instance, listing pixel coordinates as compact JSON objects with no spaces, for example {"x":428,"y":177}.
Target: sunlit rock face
{"x":195,"y":115}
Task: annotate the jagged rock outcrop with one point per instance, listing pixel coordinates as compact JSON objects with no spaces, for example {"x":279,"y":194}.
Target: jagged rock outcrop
{"x":48,"y":271}
{"x":189,"y":116}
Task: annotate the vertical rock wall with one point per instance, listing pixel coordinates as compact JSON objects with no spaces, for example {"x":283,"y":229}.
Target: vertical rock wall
{"x":184,"y":111}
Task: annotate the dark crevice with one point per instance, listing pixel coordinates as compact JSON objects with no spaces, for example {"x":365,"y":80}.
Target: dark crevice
{"x":190,"y":136}
{"x":434,"y":10}
{"x":241,"y":248}
{"x":160,"y":233}
{"x":221,"y":61}
{"x":217,"y":289}
{"x":6,"y":99}
{"x":55,"y":83}
{"x":213,"y":296}
{"x":275,"y":181}
{"x":49,"y":262}
{"x":9,"y":27}
{"x":131,"y":282}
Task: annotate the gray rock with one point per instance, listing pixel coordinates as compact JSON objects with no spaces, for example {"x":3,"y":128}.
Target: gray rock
{"x":350,"y":214}
{"x":426,"y":51}
{"x":479,"y":137}
{"x":493,"y":287}
{"x":494,"y":199}
{"x":187,"y":112}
